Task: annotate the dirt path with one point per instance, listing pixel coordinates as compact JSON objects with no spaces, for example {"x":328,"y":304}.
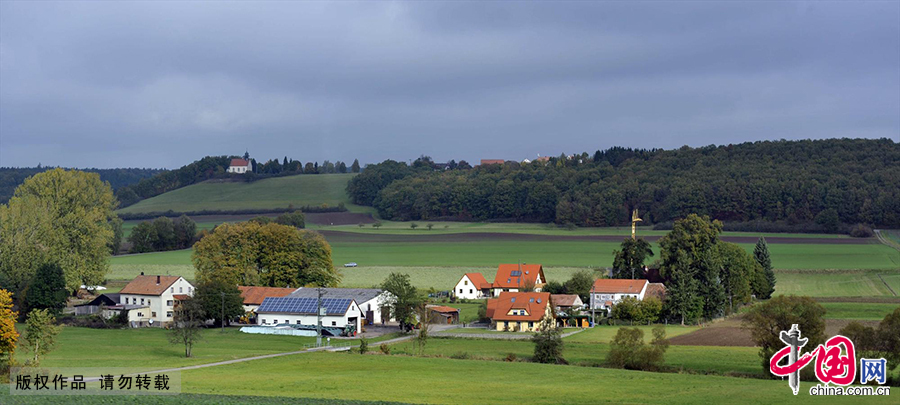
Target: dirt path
{"x":885,"y":240}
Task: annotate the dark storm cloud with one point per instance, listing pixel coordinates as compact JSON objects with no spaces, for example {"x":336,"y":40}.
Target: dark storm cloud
{"x":161,"y":84}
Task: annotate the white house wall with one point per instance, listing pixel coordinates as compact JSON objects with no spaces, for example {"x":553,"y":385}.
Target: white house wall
{"x":269,"y":318}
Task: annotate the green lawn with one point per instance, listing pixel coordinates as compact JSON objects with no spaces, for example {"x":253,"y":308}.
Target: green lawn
{"x":836,"y":283}
{"x":120,"y":347}
{"x":6,"y":398}
{"x":858,"y":310}
{"x":279,"y":192}
{"x":437,"y":380}
{"x":605,"y":333}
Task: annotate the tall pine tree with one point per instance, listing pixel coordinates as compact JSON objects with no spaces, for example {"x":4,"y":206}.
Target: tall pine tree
{"x":355,"y":166}
{"x":48,"y":289}
{"x":765,"y":285}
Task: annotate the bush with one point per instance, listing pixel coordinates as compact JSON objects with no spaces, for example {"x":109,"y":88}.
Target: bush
{"x":363,"y":345}
{"x":460,"y":356}
{"x":385,"y":349}
{"x":295,"y":219}
{"x":630,"y":309}
{"x":766,"y":321}
{"x":861,"y":231}
{"x":413,"y":225}
{"x":629,"y":351}
{"x":548,"y":346}
{"x":511,"y":357}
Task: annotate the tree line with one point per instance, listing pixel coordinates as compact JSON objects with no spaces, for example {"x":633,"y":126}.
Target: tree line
{"x":12,"y":177}
{"x":825,"y":184}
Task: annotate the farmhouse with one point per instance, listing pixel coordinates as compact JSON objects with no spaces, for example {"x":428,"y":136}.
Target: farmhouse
{"x":472,"y":286}
{"x":520,"y":311}
{"x":159,"y":294}
{"x":253,"y":296}
{"x":370,"y":300}
{"x":239,"y":166}
{"x":518,"y":277}
{"x":607,"y":292}
{"x":339,"y":312}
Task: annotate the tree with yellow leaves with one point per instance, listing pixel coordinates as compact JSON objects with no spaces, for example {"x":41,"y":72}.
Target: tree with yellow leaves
{"x":8,"y":334}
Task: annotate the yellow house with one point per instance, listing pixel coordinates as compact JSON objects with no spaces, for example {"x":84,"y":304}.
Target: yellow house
{"x":521,"y":311}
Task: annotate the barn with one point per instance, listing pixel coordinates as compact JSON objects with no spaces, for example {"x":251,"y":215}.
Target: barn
{"x":339,"y":312}
{"x":370,"y":300}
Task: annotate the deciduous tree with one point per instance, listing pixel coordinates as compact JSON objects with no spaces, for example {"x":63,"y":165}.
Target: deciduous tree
{"x":766,"y":321}
{"x":629,"y":261}
{"x":402,"y":299}
{"x":58,"y":216}
{"x":548,"y":345}
{"x":47,"y":290}
{"x":186,"y":325}
{"x":40,"y":334}
{"x":219,"y":299}
{"x":8,"y":334}
{"x":273,"y":255}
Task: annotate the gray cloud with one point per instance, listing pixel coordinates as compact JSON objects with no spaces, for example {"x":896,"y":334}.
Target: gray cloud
{"x":161,"y":84}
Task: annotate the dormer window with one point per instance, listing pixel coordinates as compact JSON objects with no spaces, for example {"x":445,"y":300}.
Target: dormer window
{"x":513,"y":299}
{"x":531,"y":300}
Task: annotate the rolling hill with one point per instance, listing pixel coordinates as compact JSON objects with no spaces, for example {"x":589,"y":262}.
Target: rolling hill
{"x":280,"y":192}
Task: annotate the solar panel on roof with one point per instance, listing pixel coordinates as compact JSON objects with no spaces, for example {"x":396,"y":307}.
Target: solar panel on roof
{"x":515,"y":273}
{"x":303,"y":305}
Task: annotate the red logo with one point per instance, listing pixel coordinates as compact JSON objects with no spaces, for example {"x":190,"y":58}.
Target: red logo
{"x":835,"y":360}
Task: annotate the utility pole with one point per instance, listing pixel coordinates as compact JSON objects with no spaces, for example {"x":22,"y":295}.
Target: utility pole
{"x":223,"y":311}
{"x":319,"y":318}
{"x":591,"y":302}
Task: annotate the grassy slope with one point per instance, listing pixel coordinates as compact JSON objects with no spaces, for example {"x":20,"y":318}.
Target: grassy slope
{"x":277,"y":192}
{"x":434,"y":380}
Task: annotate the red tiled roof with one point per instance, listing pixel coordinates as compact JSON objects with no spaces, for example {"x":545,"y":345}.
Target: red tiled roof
{"x":255,"y":295}
{"x":618,"y":286}
{"x":181,"y":297}
{"x":564,"y":300}
{"x":149,"y":285}
{"x":534,"y":303}
{"x":529,"y":273}
{"x":442,"y":309}
{"x":239,"y":162}
{"x":492,"y":161}
{"x":478,"y":280}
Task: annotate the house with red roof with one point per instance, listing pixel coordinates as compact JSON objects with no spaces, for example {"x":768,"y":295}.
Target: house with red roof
{"x":521,"y":311}
{"x":253,"y":296}
{"x":239,"y":166}
{"x":472,"y":286}
{"x":607,"y":292}
{"x":518,"y":277}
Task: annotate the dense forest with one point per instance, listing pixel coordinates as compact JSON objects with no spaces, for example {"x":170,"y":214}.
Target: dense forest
{"x":827,"y":183}
{"x":12,"y":177}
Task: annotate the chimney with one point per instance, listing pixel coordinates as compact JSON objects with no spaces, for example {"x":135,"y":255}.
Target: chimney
{"x":157,"y":280}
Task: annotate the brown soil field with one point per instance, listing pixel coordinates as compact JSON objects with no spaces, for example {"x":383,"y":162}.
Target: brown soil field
{"x":730,"y":333}
{"x":424,"y":237}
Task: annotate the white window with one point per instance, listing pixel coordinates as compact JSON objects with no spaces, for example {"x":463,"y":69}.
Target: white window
{"x":169,"y":303}
{"x":298,"y":322}
{"x":142,"y":301}
{"x":333,"y":323}
{"x":153,"y":314}
{"x":263,"y":321}
{"x":173,"y":290}
{"x":275,"y":321}
{"x":470,"y":291}
{"x":126,"y":300}
{"x":466,"y":282}
{"x":460,"y":291}
{"x":168,"y":314}
{"x":140,"y":314}
{"x":181,"y":289}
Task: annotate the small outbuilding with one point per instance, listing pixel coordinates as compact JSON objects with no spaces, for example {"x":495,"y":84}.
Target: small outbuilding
{"x":96,"y":305}
{"x":440,"y":314}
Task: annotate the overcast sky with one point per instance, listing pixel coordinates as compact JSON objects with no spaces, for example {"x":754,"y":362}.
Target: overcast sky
{"x":161,"y":84}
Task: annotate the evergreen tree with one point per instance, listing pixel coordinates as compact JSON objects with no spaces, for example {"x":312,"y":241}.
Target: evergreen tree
{"x":766,"y":286}
{"x":341,"y":167}
{"x":47,"y":289}
{"x":285,"y":163}
{"x":355,"y":166}
{"x":690,"y":263}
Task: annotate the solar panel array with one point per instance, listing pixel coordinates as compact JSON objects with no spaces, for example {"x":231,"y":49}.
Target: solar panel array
{"x":290,"y":305}
{"x":515,"y":273}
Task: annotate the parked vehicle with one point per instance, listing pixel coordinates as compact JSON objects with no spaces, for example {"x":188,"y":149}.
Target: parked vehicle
{"x":351,"y":264}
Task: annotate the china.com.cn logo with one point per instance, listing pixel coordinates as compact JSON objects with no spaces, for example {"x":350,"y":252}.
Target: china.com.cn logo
{"x":835,"y":361}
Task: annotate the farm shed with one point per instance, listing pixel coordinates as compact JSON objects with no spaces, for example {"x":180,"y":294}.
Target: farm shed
{"x":370,"y":300}
{"x":253,"y":296}
{"x":442,"y":315}
{"x":94,"y":307}
{"x":339,"y":312}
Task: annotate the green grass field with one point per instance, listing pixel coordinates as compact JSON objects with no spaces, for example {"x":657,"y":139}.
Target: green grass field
{"x":436,"y":380}
{"x":858,"y":310}
{"x":120,"y":347}
{"x":277,"y":192}
{"x":6,"y":398}
{"x":836,"y":283}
